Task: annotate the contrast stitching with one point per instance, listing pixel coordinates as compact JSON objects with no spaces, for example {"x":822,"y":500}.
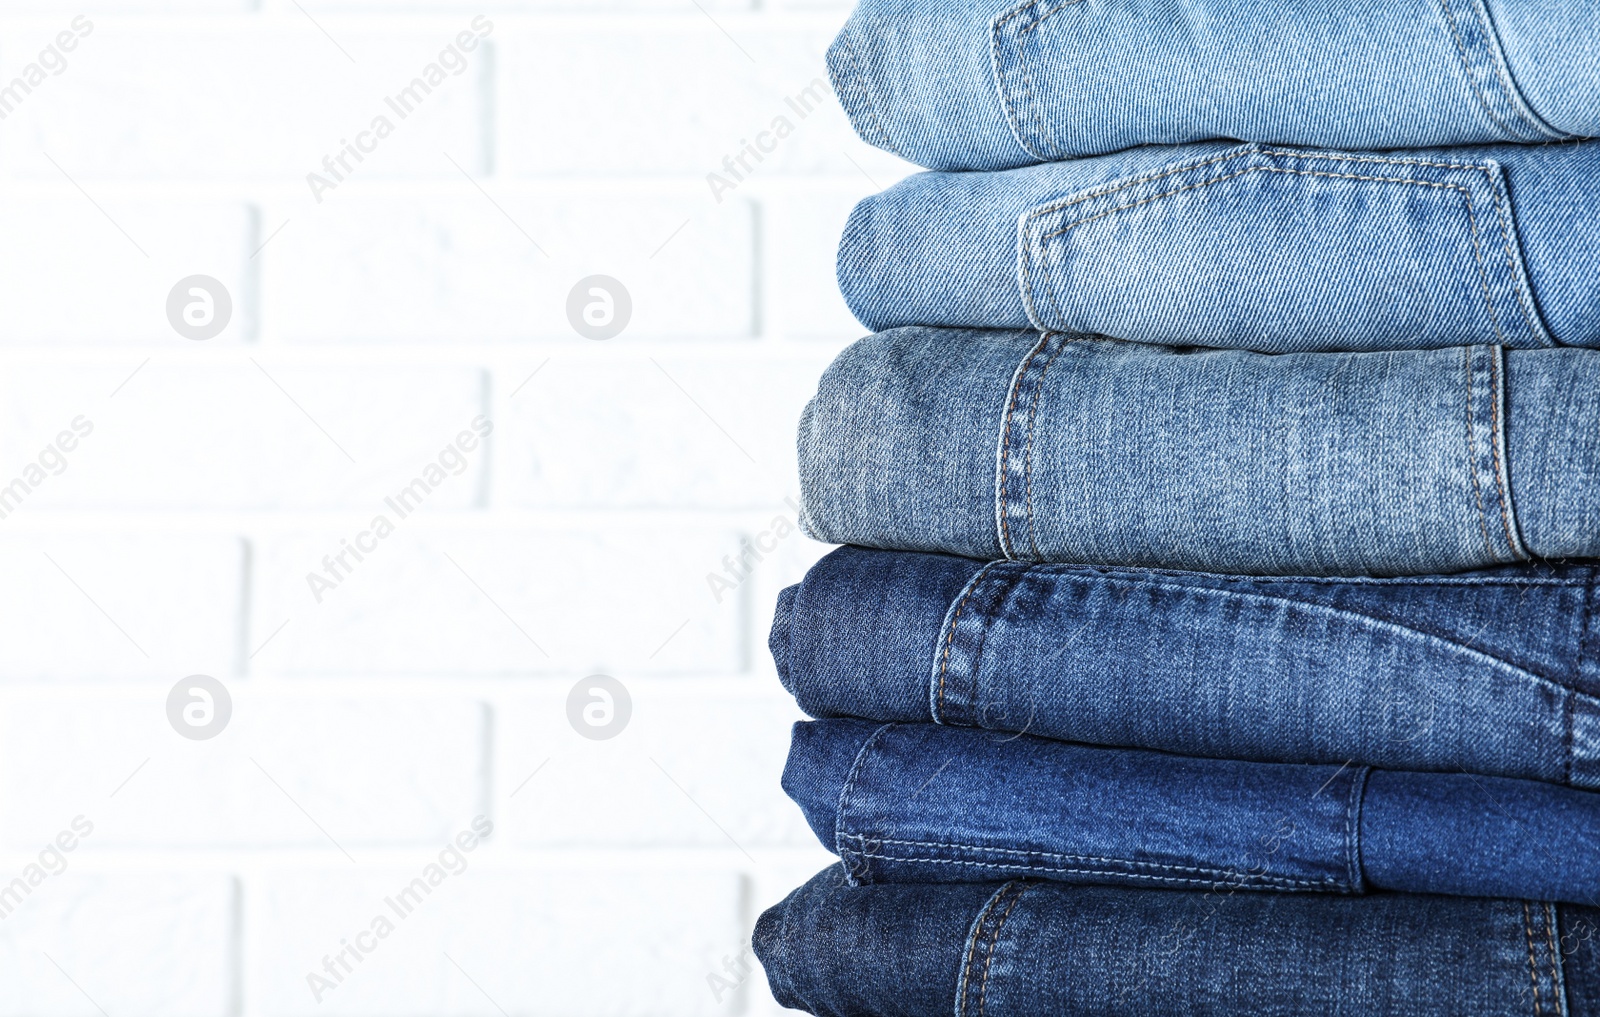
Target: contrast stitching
{"x":1549,"y":938}
{"x":977,"y":933}
{"x":950,"y":637}
{"x":1533,"y":967}
{"x":839,"y":836}
{"x":1466,"y":195}
{"x":1128,"y":575}
{"x":1245,"y":153}
{"x":1005,"y":441}
{"x":1472,"y":453}
{"x":1027,"y":456}
{"x":1215,"y":879}
{"x":1472,"y":80}
{"x":866,"y":92}
{"x":1027,"y":76}
{"x":983,"y":984}
{"x":1518,"y":279}
{"x":868,"y":842}
{"x":1519,"y":103}
{"x":1569,"y":736}
{"x":1052,"y":12}
{"x":1496,"y":390}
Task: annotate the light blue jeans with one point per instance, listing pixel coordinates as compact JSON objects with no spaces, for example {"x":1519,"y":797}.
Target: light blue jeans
{"x":1253,"y":247}
{"x":1069,"y":448}
{"x":994,"y":84}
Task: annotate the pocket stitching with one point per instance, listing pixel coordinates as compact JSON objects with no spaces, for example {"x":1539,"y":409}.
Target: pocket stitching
{"x":1472,"y":220}
{"x":1108,"y":868}
{"x":1472,"y":456}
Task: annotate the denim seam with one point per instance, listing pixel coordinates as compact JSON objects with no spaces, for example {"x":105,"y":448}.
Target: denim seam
{"x":1472,"y":80}
{"x":1218,"y":878}
{"x":865,"y":88}
{"x":1014,"y":118}
{"x":1501,"y":455}
{"x":950,"y":638}
{"x":1503,"y":213}
{"x":1466,"y":195}
{"x":1107,"y":863}
{"x":1557,"y":996}
{"x":1530,"y":122}
{"x":1533,"y":966}
{"x":1513,"y":94}
{"x":1052,"y":12}
{"x":1001,"y":508}
{"x":1128,"y":574}
{"x":844,"y":794}
{"x":1027,"y":456}
{"x":1354,"y":804}
{"x":1472,"y":453}
{"x":974,"y":936}
{"x":994,"y":941}
{"x":1244,"y":151}
{"x":1370,"y":621}
{"x":1584,"y":633}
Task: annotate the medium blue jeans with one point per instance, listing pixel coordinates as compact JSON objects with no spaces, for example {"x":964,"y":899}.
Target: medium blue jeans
{"x":1070,"y":448}
{"x":1247,"y":246}
{"x":994,"y":84}
{"x":921,"y":803}
{"x":1494,"y":672}
{"x":1042,"y":949}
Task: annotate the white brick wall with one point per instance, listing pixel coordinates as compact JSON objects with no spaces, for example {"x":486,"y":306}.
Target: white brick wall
{"x":425,"y":682}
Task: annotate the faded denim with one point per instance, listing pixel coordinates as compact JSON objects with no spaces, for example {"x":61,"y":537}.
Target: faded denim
{"x":1494,"y":672}
{"x":1071,"y":448}
{"x":921,"y":803}
{"x":994,"y":84}
{"x":1043,"y":949}
{"x":1247,"y":246}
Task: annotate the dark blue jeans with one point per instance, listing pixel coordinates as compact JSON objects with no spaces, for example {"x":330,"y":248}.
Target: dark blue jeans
{"x":1494,"y":672}
{"x":1023,"y":949}
{"x":920,"y":803}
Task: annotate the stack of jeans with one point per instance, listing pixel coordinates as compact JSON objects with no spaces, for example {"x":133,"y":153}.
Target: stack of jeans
{"x":1216,"y":630}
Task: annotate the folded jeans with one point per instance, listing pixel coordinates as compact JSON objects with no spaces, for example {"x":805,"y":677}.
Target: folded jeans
{"x":921,"y":803}
{"x":1255,"y":247}
{"x":994,"y":84}
{"x":1072,"y":448}
{"x":1041,"y":949}
{"x":1494,"y":672}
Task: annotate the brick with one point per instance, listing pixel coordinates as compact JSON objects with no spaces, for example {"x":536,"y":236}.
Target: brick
{"x":373,"y":771}
{"x":692,"y":768}
{"x":74,"y":273}
{"x":213,"y":104}
{"x":497,"y":939}
{"x":435,"y":599}
{"x":156,"y":943}
{"x":636,"y":431}
{"x":453,"y":266}
{"x":676,"y":98}
{"x":118,"y":606}
{"x":255,"y":433}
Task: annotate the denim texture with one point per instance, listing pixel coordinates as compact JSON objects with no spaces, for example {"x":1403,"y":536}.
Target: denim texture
{"x":920,"y":803}
{"x":1072,"y":448}
{"x":973,"y":85}
{"x":1254,"y":247}
{"x":1042,"y":949}
{"x":1494,"y":672}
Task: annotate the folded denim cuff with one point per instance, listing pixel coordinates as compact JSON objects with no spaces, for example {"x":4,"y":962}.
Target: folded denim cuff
{"x":854,"y":91}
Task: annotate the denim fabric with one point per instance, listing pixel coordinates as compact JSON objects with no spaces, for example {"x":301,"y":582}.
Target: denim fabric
{"x":1494,"y":672}
{"x":1072,"y":448}
{"x":1026,"y":949}
{"x":920,"y":803}
{"x":1249,"y":247}
{"x":968,"y":84}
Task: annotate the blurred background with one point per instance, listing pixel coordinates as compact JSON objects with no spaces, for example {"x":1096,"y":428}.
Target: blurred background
{"x":374,"y":375}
